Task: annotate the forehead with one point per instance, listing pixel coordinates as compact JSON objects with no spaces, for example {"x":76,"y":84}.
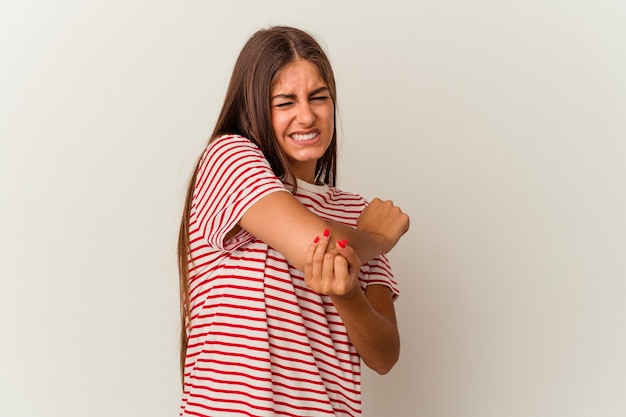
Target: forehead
{"x":298,"y":74}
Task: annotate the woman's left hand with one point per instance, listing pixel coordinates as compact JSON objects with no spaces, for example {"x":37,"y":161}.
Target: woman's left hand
{"x":333,"y":273}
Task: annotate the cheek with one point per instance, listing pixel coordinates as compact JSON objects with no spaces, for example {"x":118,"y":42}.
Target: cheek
{"x":329,"y":116}
{"x":330,"y":112}
{"x":278,"y":125}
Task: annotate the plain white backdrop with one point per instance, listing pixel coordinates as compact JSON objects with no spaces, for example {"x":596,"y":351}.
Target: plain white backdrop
{"x":499,"y":126}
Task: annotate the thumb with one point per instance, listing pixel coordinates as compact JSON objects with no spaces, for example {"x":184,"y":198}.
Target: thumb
{"x":347,"y":252}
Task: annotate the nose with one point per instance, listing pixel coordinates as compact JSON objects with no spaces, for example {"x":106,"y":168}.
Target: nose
{"x":305,"y":115}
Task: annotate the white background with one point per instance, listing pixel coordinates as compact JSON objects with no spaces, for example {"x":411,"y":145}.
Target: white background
{"x":499,"y":126}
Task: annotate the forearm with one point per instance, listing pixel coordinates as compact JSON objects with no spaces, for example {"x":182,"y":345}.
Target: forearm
{"x":367,"y":245}
{"x":373,"y":334}
{"x":289,"y":227}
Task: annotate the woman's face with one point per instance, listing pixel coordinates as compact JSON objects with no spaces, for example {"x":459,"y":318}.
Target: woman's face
{"x":302,"y":116}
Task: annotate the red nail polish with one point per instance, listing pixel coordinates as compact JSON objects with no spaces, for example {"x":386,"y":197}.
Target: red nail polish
{"x":326,"y":233}
{"x":317,"y":239}
{"x":342,"y":243}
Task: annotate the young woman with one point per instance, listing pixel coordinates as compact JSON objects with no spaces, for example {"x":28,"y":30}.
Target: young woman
{"x":284,"y":283}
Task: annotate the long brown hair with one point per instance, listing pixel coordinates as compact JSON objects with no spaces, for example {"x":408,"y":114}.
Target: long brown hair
{"x":246,"y":111}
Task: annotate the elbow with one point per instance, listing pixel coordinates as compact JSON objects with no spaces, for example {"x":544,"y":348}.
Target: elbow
{"x":384,"y":367}
{"x":385,"y":362}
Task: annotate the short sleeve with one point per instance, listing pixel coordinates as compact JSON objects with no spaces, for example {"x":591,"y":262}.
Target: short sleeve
{"x":378,"y":272}
{"x":232,"y":176}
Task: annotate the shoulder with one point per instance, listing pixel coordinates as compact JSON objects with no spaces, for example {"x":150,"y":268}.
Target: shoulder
{"x":348,"y":197}
{"x":226,"y":142}
{"x":339,"y":191}
{"x":230,"y":148}
{"x":331,"y":203}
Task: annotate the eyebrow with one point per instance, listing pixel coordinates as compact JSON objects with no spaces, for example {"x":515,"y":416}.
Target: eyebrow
{"x":294,"y":96}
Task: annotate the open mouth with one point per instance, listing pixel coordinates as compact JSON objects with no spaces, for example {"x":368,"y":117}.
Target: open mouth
{"x":298,"y":137}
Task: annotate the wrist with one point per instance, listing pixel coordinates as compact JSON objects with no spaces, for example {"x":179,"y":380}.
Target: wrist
{"x":382,"y":243}
{"x":352,"y":296}
{"x":368,"y":244}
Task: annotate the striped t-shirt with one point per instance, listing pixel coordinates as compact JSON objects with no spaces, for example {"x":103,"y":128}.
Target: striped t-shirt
{"x":261,"y":343}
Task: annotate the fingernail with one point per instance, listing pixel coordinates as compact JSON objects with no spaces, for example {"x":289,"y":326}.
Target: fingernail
{"x":326,"y":233}
{"x":342,"y":243}
{"x":317,"y":239}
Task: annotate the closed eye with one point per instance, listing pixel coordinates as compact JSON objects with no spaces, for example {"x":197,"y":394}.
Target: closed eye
{"x":284,"y":105}
{"x":320,"y":98}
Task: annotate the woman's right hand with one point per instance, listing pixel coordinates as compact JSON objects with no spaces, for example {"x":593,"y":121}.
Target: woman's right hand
{"x":333,"y":272}
{"x":385,"y":219}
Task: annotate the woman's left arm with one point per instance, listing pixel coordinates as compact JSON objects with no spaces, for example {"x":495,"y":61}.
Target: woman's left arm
{"x":370,"y":319}
{"x":369,"y":316}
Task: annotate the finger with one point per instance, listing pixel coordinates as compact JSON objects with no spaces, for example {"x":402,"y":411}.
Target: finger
{"x":328,"y":273}
{"x":318,"y":256}
{"x":308,"y":261}
{"x":375,"y":202}
{"x":323,"y":244}
{"x":346,"y":251}
{"x":343,"y":279}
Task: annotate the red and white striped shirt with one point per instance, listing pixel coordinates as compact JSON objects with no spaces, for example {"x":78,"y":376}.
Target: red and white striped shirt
{"x":261,"y":343}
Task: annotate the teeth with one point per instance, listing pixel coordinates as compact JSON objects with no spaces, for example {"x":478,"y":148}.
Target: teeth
{"x":308,"y":136}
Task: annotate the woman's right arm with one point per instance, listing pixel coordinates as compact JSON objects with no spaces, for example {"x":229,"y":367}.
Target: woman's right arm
{"x":282,"y":222}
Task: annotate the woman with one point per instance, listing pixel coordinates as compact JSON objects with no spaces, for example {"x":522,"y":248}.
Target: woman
{"x":284,"y":285}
